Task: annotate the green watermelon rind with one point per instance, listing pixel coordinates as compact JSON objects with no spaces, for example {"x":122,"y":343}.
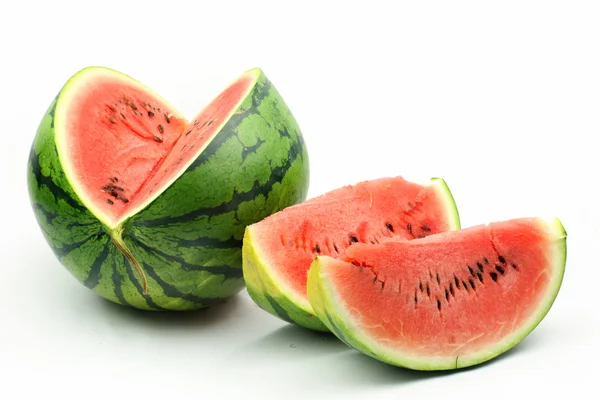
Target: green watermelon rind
{"x":329,"y":308}
{"x":275,"y":297}
{"x":188,"y":240}
{"x":440,"y":185}
{"x":269,"y":296}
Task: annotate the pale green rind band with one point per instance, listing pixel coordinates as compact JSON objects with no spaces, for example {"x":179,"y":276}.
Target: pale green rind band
{"x":268,"y":295}
{"x":453,"y":216}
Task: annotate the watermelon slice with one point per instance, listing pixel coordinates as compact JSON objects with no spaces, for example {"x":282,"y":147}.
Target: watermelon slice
{"x":447,"y":301}
{"x":277,"y":251}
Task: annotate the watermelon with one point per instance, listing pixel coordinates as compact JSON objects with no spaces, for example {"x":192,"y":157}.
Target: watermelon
{"x":447,"y":301}
{"x":147,"y":209}
{"x":278,"y":250}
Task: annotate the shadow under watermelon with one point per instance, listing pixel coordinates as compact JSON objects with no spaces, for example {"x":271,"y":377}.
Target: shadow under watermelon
{"x":326,"y":361}
{"x":192,"y":319}
{"x":357,"y":369}
{"x":292,"y":343}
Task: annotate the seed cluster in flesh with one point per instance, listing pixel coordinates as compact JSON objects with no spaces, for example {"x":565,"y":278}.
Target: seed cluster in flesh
{"x":333,"y":248}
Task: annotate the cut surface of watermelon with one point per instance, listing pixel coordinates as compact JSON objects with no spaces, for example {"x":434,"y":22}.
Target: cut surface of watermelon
{"x":446,"y":301}
{"x":122,"y":144}
{"x":278,"y":250}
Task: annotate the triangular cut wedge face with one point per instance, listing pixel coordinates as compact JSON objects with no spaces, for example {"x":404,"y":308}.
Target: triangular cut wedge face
{"x":278,"y":250}
{"x":446,"y":301}
{"x":121,"y":144}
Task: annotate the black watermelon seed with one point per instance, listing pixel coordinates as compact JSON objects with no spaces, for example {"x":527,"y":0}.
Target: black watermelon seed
{"x":426,"y":228}
{"x":480,"y":277}
{"x":114,"y":194}
{"x":353,"y":239}
{"x":447,"y":295}
{"x":480,"y":266}
{"x":122,"y":115}
{"x":437,"y":278}
{"x":514,"y":266}
{"x":472,"y":283}
{"x":465,"y":285}
{"x":318,"y":249}
{"x":471,"y":271}
{"x":188,"y":132}
{"x":124,"y":199}
{"x":109,"y":201}
{"x":335,"y":248}
{"x":167,"y":118}
{"x":456,"y":282}
{"x":112,"y":121}
{"x":421,"y":286}
{"x":494,"y":276}
{"x":416,"y":299}
{"x":157,"y":139}
{"x":161,"y":129}
{"x":130,"y":104}
{"x":209,"y":123}
{"x":428,"y":291}
{"x":150,"y":114}
{"x":486,"y":260}
{"x":451,"y":289}
{"x":500,"y":269}
{"x":390,"y":227}
{"x":439,"y":305}
{"x":502,"y":259}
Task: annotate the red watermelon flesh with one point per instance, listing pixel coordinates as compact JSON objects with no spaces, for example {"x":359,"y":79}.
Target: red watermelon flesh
{"x":445,"y":301}
{"x":280,"y":248}
{"x":124,"y":144}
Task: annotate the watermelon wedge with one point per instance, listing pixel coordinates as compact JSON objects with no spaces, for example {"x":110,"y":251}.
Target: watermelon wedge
{"x":278,"y":250}
{"x":446,"y":301}
{"x":148,"y":209}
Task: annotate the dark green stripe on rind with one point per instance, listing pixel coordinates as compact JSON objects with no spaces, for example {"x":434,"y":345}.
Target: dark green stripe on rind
{"x":172,"y":291}
{"x":94,"y":275}
{"x":280,"y":311}
{"x":226,"y":270}
{"x":337,"y":331}
{"x":262,"y":291}
{"x":178,"y":284}
{"x":238,"y":198}
{"x":189,"y":239}
{"x":131,"y":275}
{"x":117,"y":280}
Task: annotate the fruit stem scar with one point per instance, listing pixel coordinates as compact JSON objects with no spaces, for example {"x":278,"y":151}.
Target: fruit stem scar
{"x":117,"y":239}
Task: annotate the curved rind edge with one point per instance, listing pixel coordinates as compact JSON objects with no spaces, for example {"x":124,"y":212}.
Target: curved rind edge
{"x":320,"y":300}
{"x":268,"y":295}
{"x":321,"y":295}
{"x":446,"y":194}
{"x":555,"y":229}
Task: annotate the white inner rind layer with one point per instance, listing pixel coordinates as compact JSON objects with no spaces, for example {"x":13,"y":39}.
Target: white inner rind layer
{"x":88,"y":77}
{"x":272,"y":271}
{"x":325,"y":289}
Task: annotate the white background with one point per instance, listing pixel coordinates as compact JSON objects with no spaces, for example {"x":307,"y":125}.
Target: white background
{"x":501,"y":99}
